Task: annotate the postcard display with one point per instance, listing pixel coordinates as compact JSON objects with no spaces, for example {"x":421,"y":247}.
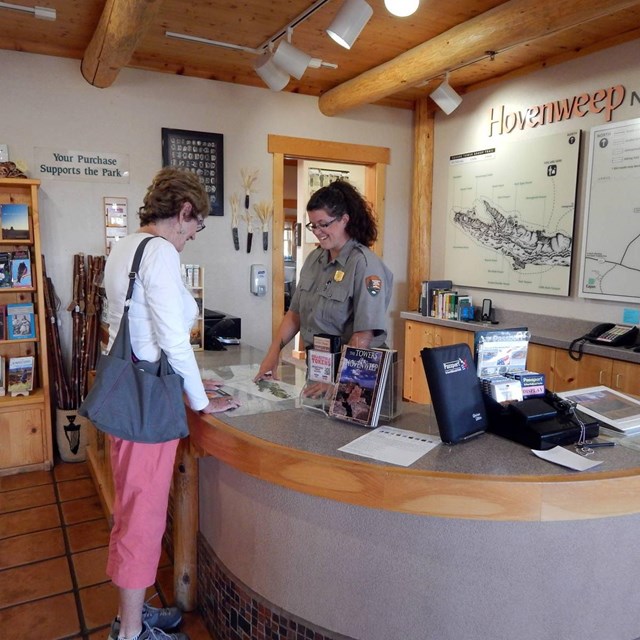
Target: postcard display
{"x":25,"y":408}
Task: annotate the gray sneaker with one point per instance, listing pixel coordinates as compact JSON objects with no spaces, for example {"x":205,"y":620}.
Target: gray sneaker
{"x":153,"y":633}
{"x":165,"y":618}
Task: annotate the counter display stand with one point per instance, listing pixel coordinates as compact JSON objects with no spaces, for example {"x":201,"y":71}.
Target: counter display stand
{"x":25,"y":420}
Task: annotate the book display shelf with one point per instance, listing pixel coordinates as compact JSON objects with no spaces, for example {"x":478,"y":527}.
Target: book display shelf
{"x":193,"y":276}
{"x":25,"y":407}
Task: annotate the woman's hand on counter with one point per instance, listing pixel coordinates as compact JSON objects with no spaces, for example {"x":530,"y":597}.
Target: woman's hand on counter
{"x":268,"y":370}
{"x":220,"y":404}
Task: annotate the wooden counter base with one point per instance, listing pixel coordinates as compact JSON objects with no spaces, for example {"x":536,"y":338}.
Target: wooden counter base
{"x":444,"y":495}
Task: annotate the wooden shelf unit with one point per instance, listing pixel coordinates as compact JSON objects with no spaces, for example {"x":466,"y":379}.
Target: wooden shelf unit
{"x":26,"y":436}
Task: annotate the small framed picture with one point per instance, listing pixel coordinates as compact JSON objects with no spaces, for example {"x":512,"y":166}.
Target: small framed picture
{"x":201,"y":153}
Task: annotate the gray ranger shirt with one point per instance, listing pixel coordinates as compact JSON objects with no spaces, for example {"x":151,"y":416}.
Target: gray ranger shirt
{"x":343,"y":296}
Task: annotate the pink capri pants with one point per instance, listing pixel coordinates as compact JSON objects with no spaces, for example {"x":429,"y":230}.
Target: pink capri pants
{"x":142,"y":479}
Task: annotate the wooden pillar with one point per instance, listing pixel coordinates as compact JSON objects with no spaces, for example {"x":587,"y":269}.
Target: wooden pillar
{"x":420,"y":232}
{"x":185,"y":527}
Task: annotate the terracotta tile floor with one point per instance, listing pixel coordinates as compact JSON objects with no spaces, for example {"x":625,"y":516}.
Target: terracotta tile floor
{"x":53,"y":551}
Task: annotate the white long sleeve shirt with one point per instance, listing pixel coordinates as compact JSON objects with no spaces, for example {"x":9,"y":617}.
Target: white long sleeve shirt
{"x":162,"y":310}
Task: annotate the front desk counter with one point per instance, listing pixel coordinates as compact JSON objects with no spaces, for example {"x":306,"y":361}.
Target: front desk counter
{"x":477,"y":541}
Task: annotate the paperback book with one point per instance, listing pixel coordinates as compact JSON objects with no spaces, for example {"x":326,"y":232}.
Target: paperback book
{"x":361,"y":380}
{"x":15,"y":221}
{"x":20,"y":321}
{"x":21,"y":269}
{"x":5,"y":269}
{"x":20,"y":375}
{"x":3,"y":390}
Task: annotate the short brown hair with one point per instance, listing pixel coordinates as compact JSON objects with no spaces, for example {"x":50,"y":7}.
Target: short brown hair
{"x":170,"y":189}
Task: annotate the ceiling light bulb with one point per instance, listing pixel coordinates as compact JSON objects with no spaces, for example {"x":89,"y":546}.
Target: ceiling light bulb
{"x":401,"y":8}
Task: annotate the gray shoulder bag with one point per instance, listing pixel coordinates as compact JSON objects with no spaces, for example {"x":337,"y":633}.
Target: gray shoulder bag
{"x":134,"y":399}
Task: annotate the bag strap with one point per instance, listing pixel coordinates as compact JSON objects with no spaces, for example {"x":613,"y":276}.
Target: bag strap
{"x":121,"y":347}
{"x":135,"y":265}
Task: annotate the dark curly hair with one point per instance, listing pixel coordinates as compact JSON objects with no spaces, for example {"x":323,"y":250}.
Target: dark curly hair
{"x":341,"y":197}
{"x":170,"y":189}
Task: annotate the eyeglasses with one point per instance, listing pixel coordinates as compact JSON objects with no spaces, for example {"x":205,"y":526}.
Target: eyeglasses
{"x":320,"y":225}
{"x":200,"y":224}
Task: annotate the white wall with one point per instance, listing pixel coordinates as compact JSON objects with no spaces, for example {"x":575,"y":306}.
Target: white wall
{"x":467,"y":129}
{"x":47,"y":103}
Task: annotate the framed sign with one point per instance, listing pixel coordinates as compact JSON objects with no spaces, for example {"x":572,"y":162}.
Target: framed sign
{"x":201,"y":153}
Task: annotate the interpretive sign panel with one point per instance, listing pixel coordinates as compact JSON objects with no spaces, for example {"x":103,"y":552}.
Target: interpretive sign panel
{"x":611,"y":242}
{"x":510,"y":217}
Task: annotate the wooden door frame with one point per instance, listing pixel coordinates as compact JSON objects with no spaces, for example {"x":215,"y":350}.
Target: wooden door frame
{"x":375,"y":161}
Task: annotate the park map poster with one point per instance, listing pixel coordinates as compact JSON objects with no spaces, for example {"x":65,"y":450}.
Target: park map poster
{"x":611,"y":240}
{"x":510,"y":215}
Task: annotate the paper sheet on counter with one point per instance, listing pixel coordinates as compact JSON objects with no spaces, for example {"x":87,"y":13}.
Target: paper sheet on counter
{"x":566,"y":458}
{"x":396,"y":446}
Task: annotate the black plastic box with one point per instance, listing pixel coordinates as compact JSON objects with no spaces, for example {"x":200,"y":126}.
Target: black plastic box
{"x":537,"y":434}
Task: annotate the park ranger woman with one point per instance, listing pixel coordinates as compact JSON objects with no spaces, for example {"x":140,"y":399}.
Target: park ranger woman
{"x":344,"y":288}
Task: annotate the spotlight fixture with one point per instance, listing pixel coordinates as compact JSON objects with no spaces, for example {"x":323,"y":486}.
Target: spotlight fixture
{"x":291,"y":59}
{"x":44,"y":13}
{"x":349,"y":22}
{"x":401,"y":8}
{"x":274,"y":77}
{"x":446,"y":97}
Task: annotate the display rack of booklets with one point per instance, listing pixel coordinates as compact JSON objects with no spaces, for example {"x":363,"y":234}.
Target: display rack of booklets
{"x":360,"y":385}
{"x":518,"y":405}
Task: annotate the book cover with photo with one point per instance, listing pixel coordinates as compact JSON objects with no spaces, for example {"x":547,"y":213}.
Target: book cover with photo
{"x":15,"y":221}
{"x":21,"y":269}
{"x":5,"y":269}
{"x":361,"y":380}
{"x":20,"y":374}
{"x":20,"y":321}
{"x":3,"y":390}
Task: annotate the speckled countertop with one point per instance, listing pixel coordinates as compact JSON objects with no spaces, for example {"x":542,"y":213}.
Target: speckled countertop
{"x":551,"y":331}
{"x":488,"y":454}
{"x":287,"y":423}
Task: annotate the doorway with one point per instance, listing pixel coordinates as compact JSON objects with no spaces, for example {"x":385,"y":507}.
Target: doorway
{"x":374,"y":160}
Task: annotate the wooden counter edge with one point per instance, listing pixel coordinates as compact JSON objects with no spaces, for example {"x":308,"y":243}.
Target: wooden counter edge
{"x":426,"y":493}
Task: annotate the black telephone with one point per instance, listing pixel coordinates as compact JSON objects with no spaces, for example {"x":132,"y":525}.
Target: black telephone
{"x":606,"y":334}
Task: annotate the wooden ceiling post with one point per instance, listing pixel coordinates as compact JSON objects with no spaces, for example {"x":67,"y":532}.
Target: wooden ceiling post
{"x":507,"y":25}
{"x":122,"y":25}
{"x":422,"y":195}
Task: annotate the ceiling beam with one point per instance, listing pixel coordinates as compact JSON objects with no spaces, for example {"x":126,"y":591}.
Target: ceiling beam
{"x":121,"y":26}
{"x":505,"y":26}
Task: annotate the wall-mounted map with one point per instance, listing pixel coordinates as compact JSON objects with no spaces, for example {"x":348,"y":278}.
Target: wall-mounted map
{"x":510,"y":215}
{"x":611,"y":243}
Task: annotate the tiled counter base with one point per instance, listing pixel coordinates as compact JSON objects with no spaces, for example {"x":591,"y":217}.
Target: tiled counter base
{"x":232,"y":611}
